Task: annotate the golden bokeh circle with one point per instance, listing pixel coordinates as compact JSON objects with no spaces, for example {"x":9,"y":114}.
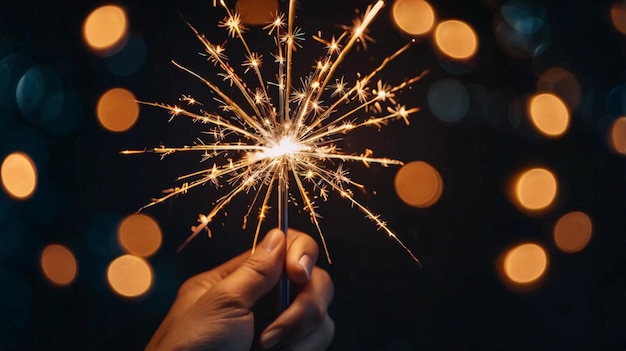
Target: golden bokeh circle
{"x":129,"y":276}
{"x":413,"y":17}
{"x":257,"y":12}
{"x":58,"y":264}
{"x":140,"y":235}
{"x":549,"y":114}
{"x":117,"y":110}
{"x":617,"y":135}
{"x":105,"y":28}
{"x":572,"y":232}
{"x":618,"y":17}
{"x":525,"y":263}
{"x":418,"y":184}
{"x":536,"y":189}
{"x":19,"y":175}
{"x":456,"y":39}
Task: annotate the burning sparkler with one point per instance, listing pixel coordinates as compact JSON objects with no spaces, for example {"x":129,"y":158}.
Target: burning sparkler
{"x":288,"y":145}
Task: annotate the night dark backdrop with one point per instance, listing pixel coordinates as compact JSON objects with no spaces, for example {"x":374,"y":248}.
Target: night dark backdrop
{"x":383,"y":300}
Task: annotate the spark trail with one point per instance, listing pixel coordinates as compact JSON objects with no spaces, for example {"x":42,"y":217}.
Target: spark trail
{"x":257,"y":146}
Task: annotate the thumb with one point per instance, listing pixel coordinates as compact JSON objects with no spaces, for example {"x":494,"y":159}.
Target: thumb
{"x":259,"y":273}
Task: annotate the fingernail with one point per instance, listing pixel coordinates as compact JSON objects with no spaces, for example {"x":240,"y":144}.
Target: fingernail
{"x":271,"y":338}
{"x":307,"y":264}
{"x":272,"y":241}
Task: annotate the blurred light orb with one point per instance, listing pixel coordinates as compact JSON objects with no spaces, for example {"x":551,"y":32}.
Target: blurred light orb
{"x":104,"y":29}
{"x":617,"y":135}
{"x":561,"y":82}
{"x":140,"y":235}
{"x":129,"y":59}
{"x":58,"y":264}
{"x":42,"y":99}
{"x":129,"y":276}
{"x":618,"y":16}
{"x":117,"y":110}
{"x":525,"y":263}
{"x":418,"y":184}
{"x":549,"y":114}
{"x":536,"y":189}
{"x":257,"y":12}
{"x":616,"y":101}
{"x":413,"y":17}
{"x":12,"y":68}
{"x":19,"y":175}
{"x":456,"y":39}
{"x":572,"y":232}
{"x":520,"y":28}
{"x":448,"y":100}
{"x":35,"y":92}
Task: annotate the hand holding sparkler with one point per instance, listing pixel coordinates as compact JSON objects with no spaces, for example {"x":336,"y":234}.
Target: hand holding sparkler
{"x":213,"y":310}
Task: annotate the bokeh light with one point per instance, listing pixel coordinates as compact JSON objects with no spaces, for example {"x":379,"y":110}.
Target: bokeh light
{"x":520,"y":27}
{"x":104,"y":29}
{"x":618,"y":16}
{"x":257,"y":12}
{"x":129,"y":59}
{"x":572,"y":232}
{"x":117,"y":110}
{"x":19,"y":175}
{"x":43,"y":100}
{"x":525,"y":263}
{"x":418,"y":184}
{"x":448,"y":100}
{"x":562,"y":83}
{"x":12,"y":68}
{"x":549,"y":114}
{"x":414,"y":17}
{"x":615,"y":101}
{"x":456,"y":39}
{"x":35,"y":90}
{"x":58,"y":264}
{"x":139,"y":235}
{"x":535,"y":189}
{"x":617,"y":135}
{"x":129,"y":276}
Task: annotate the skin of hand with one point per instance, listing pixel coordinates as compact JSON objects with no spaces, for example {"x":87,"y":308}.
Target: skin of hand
{"x":213,"y":310}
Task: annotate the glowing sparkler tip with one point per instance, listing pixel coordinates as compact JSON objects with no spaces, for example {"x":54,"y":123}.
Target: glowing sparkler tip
{"x":285,"y":147}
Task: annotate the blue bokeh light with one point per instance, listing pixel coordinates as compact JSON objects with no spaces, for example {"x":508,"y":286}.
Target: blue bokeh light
{"x":130,"y":58}
{"x":448,"y":100}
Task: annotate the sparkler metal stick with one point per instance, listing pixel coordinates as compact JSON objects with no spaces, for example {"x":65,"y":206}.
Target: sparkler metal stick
{"x":283,"y":220}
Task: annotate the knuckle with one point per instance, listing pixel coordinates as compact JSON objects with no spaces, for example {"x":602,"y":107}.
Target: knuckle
{"x":228,"y":299}
{"x":256,"y":266}
{"x":191,"y":285}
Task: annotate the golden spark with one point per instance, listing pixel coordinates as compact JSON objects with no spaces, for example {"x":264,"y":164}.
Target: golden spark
{"x":260,"y":146}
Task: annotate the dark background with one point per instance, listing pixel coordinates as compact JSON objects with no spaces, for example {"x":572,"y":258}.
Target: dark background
{"x":383,"y":300}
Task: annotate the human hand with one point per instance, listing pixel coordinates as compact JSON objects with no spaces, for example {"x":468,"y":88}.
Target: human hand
{"x":213,"y":310}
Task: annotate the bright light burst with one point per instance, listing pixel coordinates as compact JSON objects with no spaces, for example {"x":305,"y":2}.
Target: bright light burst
{"x":258,"y":143}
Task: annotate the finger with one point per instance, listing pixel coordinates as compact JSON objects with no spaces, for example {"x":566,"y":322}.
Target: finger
{"x":200,"y":283}
{"x":193,"y":288}
{"x":306,"y":313}
{"x":302,"y":253}
{"x":255,"y":276}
